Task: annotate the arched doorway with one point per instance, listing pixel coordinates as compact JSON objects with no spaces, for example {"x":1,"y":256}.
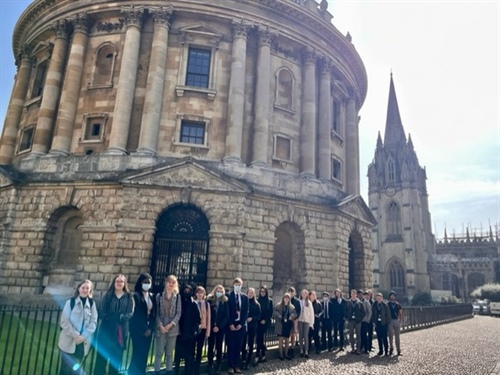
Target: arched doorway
{"x":181,"y":246}
{"x":356,"y":277}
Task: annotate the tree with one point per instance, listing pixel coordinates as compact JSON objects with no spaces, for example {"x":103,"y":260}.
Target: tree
{"x":421,"y":299}
{"x":488,"y":291}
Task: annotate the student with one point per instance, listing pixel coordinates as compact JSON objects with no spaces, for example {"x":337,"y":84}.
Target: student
{"x":326,"y":322}
{"x":219,"y":311}
{"x":366,"y":323}
{"x":168,"y":314}
{"x":295,"y":328}
{"x":395,"y":324}
{"x":254,"y":312}
{"x":78,"y":324}
{"x":339,"y":307}
{"x":116,"y":309}
{"x":204,"y":332}
{"x":355,"y":314}
{"x":142,"y":324}
{"x":266,"y":307}
{"x":305,"y":322}
{"x":189,"y":326}
{"x":381,"y":317}
{"x":318,"y":313}
{"x":238,"y":314}
{"x":284,"y":314}
{"x":369,"y":297}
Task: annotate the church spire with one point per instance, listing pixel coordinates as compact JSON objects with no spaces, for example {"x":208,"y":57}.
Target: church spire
{"x":394,"y":132}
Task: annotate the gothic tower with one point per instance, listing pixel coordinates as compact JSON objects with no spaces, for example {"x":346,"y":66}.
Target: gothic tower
{"x":398,"y":198}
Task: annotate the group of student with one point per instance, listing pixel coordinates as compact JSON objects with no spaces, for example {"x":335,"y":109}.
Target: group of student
{"x":182,"y":319}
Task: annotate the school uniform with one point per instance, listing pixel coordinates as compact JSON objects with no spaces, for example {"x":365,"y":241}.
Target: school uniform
{"x":394,"y":326}
{"x":219,"y":311}
{"x":366,"y":325}
{"x":326,"y":325}
{"x":254,"y":312}
{"x":314,"y":333}
{"x":143,"y":320}
{"x":355,"y":314}
{"x":238,"y":314}
{"x":339,"y":307}
{"x":381,"y":317}
{"x":204,"y":332}
{"x":266,"y":306}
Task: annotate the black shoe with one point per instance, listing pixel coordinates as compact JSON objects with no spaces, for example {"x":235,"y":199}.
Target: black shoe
{"x":399,"y":354}
{"x":380,"y":353}
{"x":302,"y":355}
{"x":282,"y":358}
{"x":318,"y":351}
{"x":387,"y":354}
{"x":330,"y":349}
{"x":306,"y":355}
{"x":288,"y":357}
{"x":263,"y":359}
{"x":391,"y":351}
{"x":341,"y":349}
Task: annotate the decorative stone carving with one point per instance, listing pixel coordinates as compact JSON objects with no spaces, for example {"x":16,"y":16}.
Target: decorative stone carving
{"x":23,"y":54}
{"x":81,"y":23}
{"x":240,"y":28}
{"x":133,"y":15}
{"x":60,"y":28}
{"x":309,"y":56}
{"x":288,"y":53}
{"x":162,"y":16}
{"x":326,"y":66}
{"x":266,"y":35}
{"x":108,"y":26}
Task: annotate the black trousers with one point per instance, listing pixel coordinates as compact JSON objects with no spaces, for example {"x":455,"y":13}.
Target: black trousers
{"x":140,"y":351}
{"x":234,"y":340}
{"x":184,"y":348}
{"x":261,"y":347}
{"x":108,"y":352}
{"x":383,"y":343}
{"x":215,"y":342}
{"x":199,"y":342}
{"x":365,"y":328}
{"x":71,"y":363}
{"x":326,"y":333}
{"x":370,"y":337}
{"x":248,"y":343}
{"x":338,"y":332}
{"x":314,"y":334}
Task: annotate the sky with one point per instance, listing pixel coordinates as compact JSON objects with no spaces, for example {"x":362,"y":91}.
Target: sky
{"x":445,"y":60}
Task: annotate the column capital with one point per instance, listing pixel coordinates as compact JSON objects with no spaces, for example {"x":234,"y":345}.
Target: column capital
{"x":266,"y":35}
{"x":326,"y":65}
{"x":81,"y":23}
{"x":24,"y":54}
{"x":240,"y":28}
{"x":61,"y":28}
{"x":309,"y":56}
{"x":134,"y":15}
{"x":162,"y":16}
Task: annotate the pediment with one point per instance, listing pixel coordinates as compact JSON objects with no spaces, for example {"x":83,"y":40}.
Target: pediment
{"x":186,"y":174}
{"x":355,"y":206}
{"x":5,"y":179}
{"x":202,"y":29}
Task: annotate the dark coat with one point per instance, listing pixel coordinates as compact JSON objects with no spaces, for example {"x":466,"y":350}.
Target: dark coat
{"x":220,"y":317}
{"x":190,"y":320}
{"x":384,"y":313}
{"x":110,"y":320}
{"x":254,"y":312}
{"x":140,"y":321}
{"x":358,"y":311}
{"x":278,"y":316}
{"x":339,"y":311}
{"x":266,"y":312}
{"x":243,"y":309}
{"x":296,"y":303}
{"x":318,"y":311}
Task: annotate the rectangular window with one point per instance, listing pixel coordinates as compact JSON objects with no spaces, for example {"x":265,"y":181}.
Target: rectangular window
{"x":335,"y":117}
{"x":38,"y":83}
{"x":93,"y":129}
{"x":198,"y":67}
{"x":192,"y":132}
{"x":26,"y":139}
{"x":336,"y":170}
{"x":282,"y":148}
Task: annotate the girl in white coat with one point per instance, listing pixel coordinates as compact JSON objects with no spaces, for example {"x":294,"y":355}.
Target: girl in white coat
{"x":306,"y":322}
{"x":78,"y":324}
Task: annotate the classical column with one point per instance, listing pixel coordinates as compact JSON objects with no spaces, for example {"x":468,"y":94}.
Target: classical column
{"x":236,"y":99}
{"x":150,"y":123}
{"x":325,"y":123}
{"x":51,"y":91}
{"x":262,"y":99}
{"x":126,"y":84}
{"x":308,"y":126}
{"x":352,"y":148}
{"x":66,"y":116}
{"x":15,"y":109}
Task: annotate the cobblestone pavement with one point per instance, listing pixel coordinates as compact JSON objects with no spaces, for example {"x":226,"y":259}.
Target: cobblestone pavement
{"x":467,"y":347}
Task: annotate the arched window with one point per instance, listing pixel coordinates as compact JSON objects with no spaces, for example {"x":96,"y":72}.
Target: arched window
{"x":397,"y":276}
{"x":393,"y":219}
{"x":104,"y":65}
{"x":285,"y":83}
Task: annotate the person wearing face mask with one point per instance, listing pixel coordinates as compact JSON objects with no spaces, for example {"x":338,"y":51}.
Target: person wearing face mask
{"x":254,"y":312}
{"x":238,"y":314}
{"x":189,"y":326}
{"x":318,"y":313}
{"x":142,"y":324}
{"x":219,"y":310}
{"x":267,"y":308}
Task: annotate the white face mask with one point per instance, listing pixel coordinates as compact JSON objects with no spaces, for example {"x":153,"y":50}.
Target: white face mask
{"x":325,"y":299}
{"x":218,"y":294}
{"x":237,"y":288}
{"x":146,"y":287}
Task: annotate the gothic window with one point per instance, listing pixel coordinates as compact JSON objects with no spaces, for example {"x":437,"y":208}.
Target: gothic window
{"x":285,"y":86}
{"x":397,"y":276}
{"x":393,"y":219}
{"x":198,"y":67}
{"x":282,"y":148}
{"x":104,"y":65}
{"x":39,"y":81}
{"x":27,"y":135}
{"x":391,"y":171}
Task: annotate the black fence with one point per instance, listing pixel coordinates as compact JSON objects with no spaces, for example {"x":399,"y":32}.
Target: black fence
{"x":29,"y":336}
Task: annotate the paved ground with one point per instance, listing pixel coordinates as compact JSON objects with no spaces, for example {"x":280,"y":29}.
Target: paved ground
{"x":468,"y":347}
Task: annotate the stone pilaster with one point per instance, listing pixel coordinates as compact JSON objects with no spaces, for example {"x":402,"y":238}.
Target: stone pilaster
{"x":236,"y":97}
{"x":126,"y":84}
{"x":66,"y":116}
{"x":352,"y":148}
{"x":15,"y":108}
{"x":308,"y":125}
{"x":262,"y":99}
{"x":150,"y":124}
{"x":325,"y":122}
{"x":51,"y":91}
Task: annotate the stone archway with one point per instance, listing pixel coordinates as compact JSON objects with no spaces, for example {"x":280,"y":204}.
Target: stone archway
{"x":356,"y":263}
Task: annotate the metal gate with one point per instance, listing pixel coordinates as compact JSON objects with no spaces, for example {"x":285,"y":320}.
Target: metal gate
{"x":181,"y":246}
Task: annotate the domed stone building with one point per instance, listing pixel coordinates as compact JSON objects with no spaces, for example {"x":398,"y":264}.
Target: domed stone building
{"x":208,"y":139}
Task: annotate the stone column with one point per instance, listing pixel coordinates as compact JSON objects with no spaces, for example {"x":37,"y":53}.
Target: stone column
{"x":236,"y":100}
{"x":126,"y":84}
{"x":352,"y":148}
{"x":51,"y":91}
{"x":262,"y":98}
{"x":150,"y":124}
{"x":15,"y":109}
{"x":325,"y":123}
{"x":308,"y":126}
{"x":66,"y":116}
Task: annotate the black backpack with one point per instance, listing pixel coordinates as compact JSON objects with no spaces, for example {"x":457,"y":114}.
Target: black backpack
{"x":72,"y":303}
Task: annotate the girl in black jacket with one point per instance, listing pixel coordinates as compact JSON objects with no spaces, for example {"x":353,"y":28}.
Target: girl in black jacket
{"x":253,"y":319}
{"x":266,"y":312}
{"x":219,"y":311}
{"x":318,"y":313}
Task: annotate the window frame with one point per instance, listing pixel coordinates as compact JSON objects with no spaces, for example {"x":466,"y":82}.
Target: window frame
{"x":275,"y":144}
{"x":276,"y":91}
{"x":189,"y":60}
{"x":22,"y":132}
{"x":193,"y":119}
{"x":109,"y":84}
{"x":337,"y":161}
{"x":89,"y":118}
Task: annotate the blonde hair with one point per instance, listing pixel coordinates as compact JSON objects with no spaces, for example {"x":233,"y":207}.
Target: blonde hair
{"x":215,"y":290}
{"x":307,"y":297}
{"x":174,"y":279}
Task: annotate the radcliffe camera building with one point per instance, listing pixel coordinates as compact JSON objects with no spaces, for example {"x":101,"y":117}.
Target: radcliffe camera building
{"x":205,"y":139}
